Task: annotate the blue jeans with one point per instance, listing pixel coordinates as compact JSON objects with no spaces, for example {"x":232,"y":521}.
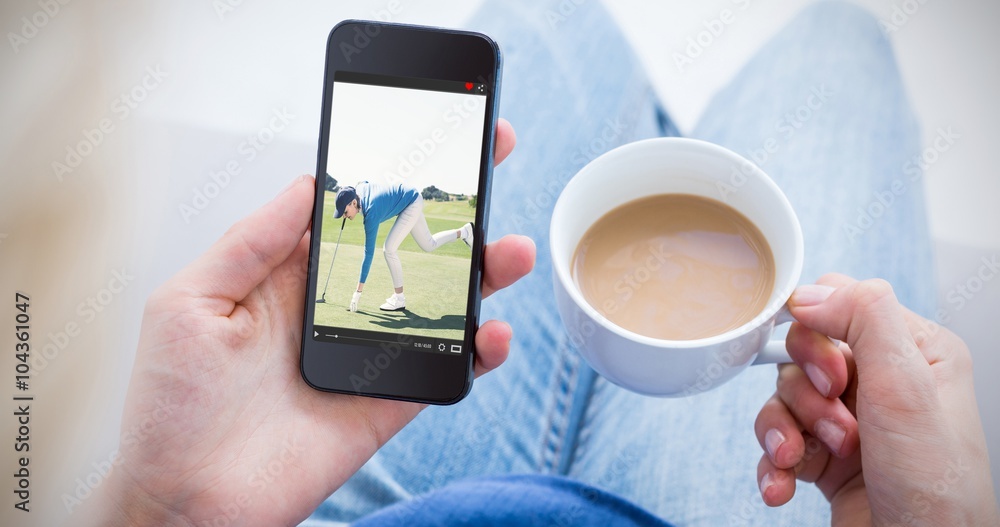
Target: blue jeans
{"x":821,"y":108}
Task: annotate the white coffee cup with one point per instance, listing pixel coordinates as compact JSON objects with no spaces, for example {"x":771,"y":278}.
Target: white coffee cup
{"x":673,"y":368}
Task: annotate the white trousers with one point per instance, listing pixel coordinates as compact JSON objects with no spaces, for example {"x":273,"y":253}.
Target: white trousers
{"x":412,"y":221}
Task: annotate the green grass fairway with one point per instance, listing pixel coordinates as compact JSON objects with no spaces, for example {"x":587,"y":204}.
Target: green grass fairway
{"x":435,"y":283}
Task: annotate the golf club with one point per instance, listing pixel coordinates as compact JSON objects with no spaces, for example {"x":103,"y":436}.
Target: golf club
{"x":328,"y":273}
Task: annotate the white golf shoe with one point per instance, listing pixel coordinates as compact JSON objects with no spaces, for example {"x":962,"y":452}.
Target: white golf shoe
{"x":396,"y":302}
{"x":466,"y":233}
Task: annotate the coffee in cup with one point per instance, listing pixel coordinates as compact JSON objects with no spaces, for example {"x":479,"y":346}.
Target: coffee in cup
{"x":640,"y":359}
{"x":675,"y":267}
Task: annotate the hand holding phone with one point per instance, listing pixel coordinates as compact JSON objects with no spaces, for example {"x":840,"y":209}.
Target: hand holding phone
{"x":406,"y":140}
{"x":216,"y":390}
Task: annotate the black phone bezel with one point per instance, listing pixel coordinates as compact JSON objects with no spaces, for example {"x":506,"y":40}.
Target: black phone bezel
{"x":401,"y":50}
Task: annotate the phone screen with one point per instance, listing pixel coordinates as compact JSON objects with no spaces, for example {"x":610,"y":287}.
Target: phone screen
{"x":403,"y":169}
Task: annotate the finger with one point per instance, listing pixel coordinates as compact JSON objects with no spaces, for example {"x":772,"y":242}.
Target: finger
{"x":868,"y":317}
{"x":850,"y":396}
{"x":506,"y":261}
{"x":827,"y":419}
{"x":289,"y":282}
{"x":836,"y":280}
{"x":506,"y":139}
{"x":777,"y":485}
{"x":291,"y":274}
{"x":250,"y":250}
{"x":814,"y":460}
{"x":492,"y":345}
{"x":778,"y":434}
{"x":820,"y":358}
{"x":385,"y":417}
{"x":919,"y":327}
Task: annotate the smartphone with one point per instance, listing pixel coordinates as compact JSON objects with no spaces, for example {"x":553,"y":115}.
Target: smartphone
{"x":403,"y":182}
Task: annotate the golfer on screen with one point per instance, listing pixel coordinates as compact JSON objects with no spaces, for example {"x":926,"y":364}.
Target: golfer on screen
{"x":379,"y":203}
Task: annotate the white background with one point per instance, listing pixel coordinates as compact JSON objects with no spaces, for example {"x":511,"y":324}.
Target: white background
{"x":377,"y":129}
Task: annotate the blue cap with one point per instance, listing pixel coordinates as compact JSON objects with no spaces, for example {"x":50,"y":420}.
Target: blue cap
{"x":344,"y":197}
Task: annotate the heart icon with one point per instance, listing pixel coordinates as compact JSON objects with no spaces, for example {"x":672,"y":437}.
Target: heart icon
{"x":468,"y":86}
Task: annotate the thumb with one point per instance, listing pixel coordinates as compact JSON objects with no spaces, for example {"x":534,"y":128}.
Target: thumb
{"x":867,"y":316}
{"x":250,"y":250}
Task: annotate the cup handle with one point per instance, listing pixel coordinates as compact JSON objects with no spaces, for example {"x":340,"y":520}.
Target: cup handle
{"x":774,"y":351}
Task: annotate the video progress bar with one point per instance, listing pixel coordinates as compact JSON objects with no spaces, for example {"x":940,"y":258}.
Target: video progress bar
{"x":440,"y":347}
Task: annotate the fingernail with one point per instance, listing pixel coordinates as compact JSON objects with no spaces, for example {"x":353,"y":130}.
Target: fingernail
{"x":772,"y":441}
{"x":765,"y":483}
{"x":831,"y":433}
{"x":819,"y":379}
{"x":810,"y":295}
